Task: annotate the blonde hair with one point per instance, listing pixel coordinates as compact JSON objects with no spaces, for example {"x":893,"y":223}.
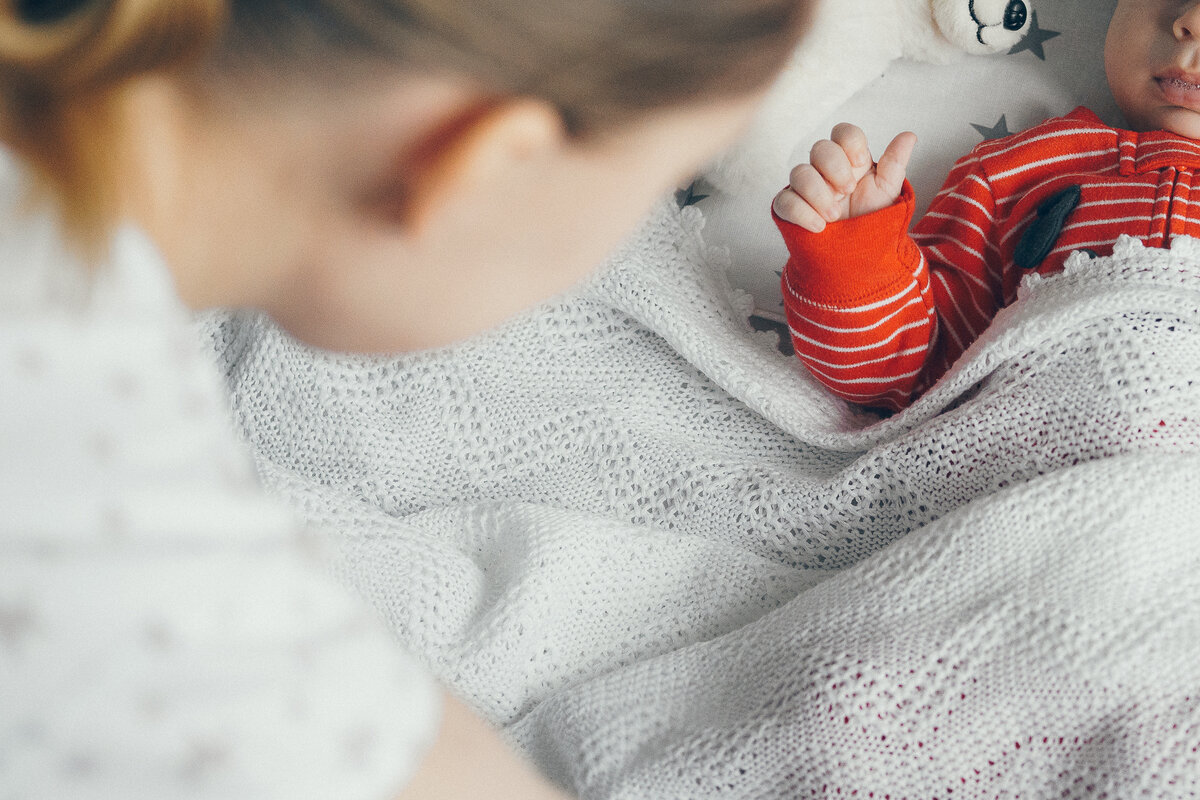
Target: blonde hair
{"x":58,"y":77}
{"x":599,"y":62}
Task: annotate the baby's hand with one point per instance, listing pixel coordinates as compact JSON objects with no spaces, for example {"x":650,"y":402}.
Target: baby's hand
{"x":843,"y":181}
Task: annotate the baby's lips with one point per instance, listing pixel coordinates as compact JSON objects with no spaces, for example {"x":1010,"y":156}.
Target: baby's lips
{"x":1181,"y":89}
{"x":1181,"y":77}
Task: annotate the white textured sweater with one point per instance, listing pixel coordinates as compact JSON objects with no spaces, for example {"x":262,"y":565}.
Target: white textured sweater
{"x":166,"y":630}
{"x":634,"y":534}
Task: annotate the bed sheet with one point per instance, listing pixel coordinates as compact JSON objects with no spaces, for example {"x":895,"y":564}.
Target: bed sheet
{"x":952,"y":107}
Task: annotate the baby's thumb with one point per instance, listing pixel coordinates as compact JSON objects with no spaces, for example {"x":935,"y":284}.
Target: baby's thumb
{"x":893,"y":164}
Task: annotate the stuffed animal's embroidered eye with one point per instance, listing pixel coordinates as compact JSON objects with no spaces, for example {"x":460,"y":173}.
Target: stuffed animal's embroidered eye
{"x":982,"y":26}
{"x":1015,"y":15}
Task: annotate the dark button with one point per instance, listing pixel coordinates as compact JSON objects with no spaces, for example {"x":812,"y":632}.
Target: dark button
{"x":1039,"y":238}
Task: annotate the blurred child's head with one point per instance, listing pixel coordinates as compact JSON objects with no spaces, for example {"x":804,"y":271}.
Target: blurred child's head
{"x":378,"y":173}
{"x":1152,"y":59}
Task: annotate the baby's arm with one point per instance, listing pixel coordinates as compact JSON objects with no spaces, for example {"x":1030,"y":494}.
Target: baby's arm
{"x":856,"y":290}
{"x":878,"y":315}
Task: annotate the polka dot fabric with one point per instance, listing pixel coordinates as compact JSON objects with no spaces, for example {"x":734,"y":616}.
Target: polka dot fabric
{"x":672,"y":566}
{"x":166,"y":630}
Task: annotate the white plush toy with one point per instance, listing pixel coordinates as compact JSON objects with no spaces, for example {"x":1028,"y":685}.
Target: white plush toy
{"x":822,"y":74}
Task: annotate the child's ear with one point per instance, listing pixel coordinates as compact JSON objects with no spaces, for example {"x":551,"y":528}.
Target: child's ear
{"x":465,"y":153}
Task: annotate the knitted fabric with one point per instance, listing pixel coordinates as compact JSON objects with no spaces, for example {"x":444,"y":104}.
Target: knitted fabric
{"x":672,"y":566}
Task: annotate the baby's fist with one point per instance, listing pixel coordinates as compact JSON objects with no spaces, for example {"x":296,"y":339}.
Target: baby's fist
{"x":842,"y":180}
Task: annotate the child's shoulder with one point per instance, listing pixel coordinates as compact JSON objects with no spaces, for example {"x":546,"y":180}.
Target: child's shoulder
{"x":1044,"y":140}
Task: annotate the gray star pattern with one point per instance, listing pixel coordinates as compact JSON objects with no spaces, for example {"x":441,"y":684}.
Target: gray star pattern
{"x":201,"y":760}
{"x":16,"y":622}
{"x":689,"y":196}
{"x":785,"y":339}
{"x":1034,"y":40}
{"x":997,"y":131}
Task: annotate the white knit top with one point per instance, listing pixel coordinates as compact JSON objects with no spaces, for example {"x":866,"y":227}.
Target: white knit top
{"x":165,"y":630}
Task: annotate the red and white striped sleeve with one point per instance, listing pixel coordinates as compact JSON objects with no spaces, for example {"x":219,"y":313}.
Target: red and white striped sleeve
{"x":959,"y":238}
{"x":877,"y":318}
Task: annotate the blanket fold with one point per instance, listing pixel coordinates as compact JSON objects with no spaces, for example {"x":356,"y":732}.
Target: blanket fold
{"x":631,"y":532}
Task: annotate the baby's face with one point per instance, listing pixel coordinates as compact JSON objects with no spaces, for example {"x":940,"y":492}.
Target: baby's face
{"x":1152,"y":58}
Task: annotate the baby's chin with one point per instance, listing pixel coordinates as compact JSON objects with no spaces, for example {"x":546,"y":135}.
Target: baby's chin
{"x":1173,"y":119}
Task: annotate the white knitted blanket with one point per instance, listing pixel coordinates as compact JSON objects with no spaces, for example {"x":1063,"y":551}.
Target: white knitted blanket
{"x":671,"y":566}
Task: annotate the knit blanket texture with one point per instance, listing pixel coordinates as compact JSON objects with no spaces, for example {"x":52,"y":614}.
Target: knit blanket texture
{"x":669,"y":565}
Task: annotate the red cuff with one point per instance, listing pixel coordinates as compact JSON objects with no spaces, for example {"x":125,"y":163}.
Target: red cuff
{"x":852,"y":260}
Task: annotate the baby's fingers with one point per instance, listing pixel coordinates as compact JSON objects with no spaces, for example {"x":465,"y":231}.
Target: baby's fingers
{"x":893,"y":164}
{"x":853,"y":142}
{"x":795,"y":209}
{"x":833,"y":162}
{"x":813,"y":187}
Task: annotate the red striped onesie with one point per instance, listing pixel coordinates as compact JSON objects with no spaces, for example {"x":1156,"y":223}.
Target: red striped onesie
{"x":878,"y":315}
